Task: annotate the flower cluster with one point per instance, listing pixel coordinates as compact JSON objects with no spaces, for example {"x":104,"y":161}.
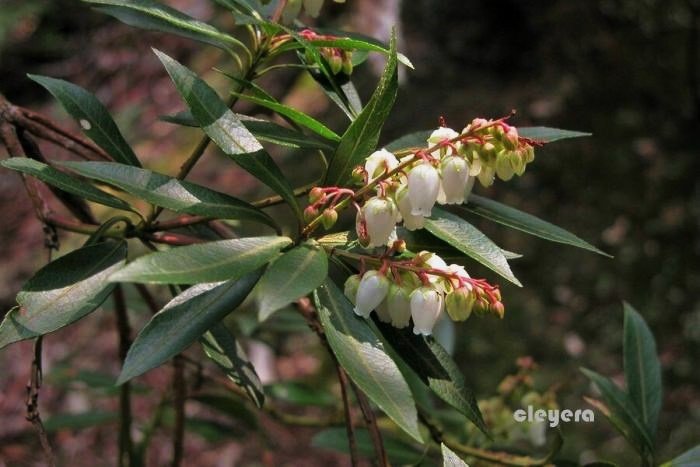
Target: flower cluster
{"x":443,"y":173}
{"x":338,"y":59}
{"x":420,"y":289}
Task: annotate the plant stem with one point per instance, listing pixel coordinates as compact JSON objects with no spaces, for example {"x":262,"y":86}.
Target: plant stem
{"x":352,"y":442}
{"x":371,"y":421}
{"x":33,"y":414}
{"x":126,"y":446}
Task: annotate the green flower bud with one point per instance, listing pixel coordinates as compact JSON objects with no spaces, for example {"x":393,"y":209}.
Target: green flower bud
{"x":399,"y":305}
{"x":347,"y":62}
{"x":459,"y":304}
{"x":315,"y":194}
{"x":486,"y":176}
{"x":488,"y":153}
{"x":310,"y":213}
{"x":330,"y":216}
{"x":504,"y":169}
{"x":517,"y":161}
{"x":335,"y":61}
{"x":351,"y":286}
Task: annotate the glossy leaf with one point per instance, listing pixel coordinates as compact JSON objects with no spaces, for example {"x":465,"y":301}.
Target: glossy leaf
{"x":147,"y":14}
{"x":362,"y":355}
{"x":58,"y":179}
{"x":435,"y":368}
{"x":63,"y":291}
{"x":642,"y":369}
{"x":398,"y":451}
{"x":169,"y":192}
{"x":511,"y":217}
{"x":295,"y":115}
{"x":182,"y":321}
{"x":361,"y":137}
{"x":263,"y":130}
{"x":293,"y":275}
{"x":621,"y":412}
{"x":543,"y":134}
{"x":223,"y":348}
{"x":226,"y":130}
{"x":203,"y":262}
{"x":470,"y":241}
{"x":690,"y":458}
{"x":450,"y":459}
{"x":92,"y":116}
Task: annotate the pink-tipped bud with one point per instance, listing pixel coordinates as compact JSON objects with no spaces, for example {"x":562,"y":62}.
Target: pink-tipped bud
{"x":330,"y":217}
{"x":316,"y":194}
{"x":310,"y":213}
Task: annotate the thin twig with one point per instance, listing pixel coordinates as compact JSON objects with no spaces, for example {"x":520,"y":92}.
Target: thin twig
{"x":126,"y":445}
{"x":33,"y":414}
{"x":349,"y":427}
{"x":371,"y":422}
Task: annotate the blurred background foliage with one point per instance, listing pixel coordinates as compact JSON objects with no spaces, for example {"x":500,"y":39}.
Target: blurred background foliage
{"x":626,"y":70}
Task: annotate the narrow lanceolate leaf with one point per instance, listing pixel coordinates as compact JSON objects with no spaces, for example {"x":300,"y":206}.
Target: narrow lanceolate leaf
{"x":223,"y":348}
{"x":63,"y":291}
{"x":58,"y":179}
{"x":361,"y":137}
{"x":621,"y":412}
{"x":148,"y":14}
{"x":295,"y":115}
{"x":182,"y":321}
{"x":642,"y":369}
{"x":435,"y":368}
{"x":543,"y":134}
{"x":690,"y":458}
{"x":92,"y":116}
{"x":362,"y":355}
{"x":169,"y":192}
{"x":291,"y":276}
{"x":470,"y":241}
{"x":203,"y":262}
{"x":450,"y":459}
{"x":511,"y":217}
{"x":226,"y":130}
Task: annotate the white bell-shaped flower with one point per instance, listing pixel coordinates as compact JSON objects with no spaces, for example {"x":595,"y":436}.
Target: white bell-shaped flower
{"x":399,"y":306}
{"x":383,"y":310}
{"x":370,"y":293}
{"x":380,"y":216}
{"x":426,"y":306}
{"x":423,"y":189}
{"x":455,"y":174}
{"x":468,"y":188}
{"x":410,"y":221}
{"x":380,"y":162}
{"x":442,"y":134}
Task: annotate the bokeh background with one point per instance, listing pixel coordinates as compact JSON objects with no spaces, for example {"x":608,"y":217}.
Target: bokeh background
{"x":627,"y":71}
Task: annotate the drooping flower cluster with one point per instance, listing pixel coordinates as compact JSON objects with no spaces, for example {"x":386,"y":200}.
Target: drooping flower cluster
{"x":443,"y":173}
{"x":420,"y":289}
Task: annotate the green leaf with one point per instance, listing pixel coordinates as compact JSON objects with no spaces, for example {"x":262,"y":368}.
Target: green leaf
{"x":301,"y":394}
{"x":295,"y":115}
{"x":182,"y":321}
{"x":642,"y":369}
{"x":92,"y":116}
{"x":690,"y":458}
{"x":450,"y":459}
{"x":543,"y":134}
{"x":621,"y":412}
{"x":58,"y":179}
{"x":223,"y":348}
{"x":203,"y":262}
{"x":362,"y":355}
{"x":169,"y":192}
{"x":361,"y":137}
{"x":435,"y":368}
{"x":293,"y":275}
{"x":417,"y":139}
{"x":227,"y":131}
{"x":397,"y":450}
{"x":470,"y":241}
{"x":63,"y":291}
{"x":147,"y":14}
{"x":511,"y":217}
{"x":79,"y":421}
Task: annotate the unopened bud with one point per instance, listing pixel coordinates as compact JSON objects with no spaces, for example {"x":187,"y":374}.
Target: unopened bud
{"x":399,"y":246}
{"x":347,"y":62}
{"x":399,"y":305}
{"x":335,"y":61}
{"x":310,"y":213}
{"x":316,"y":194}
{"x":330,"y":217}
{"x":504,"y":168}
{"x":498,"y":309}
{"x":486,"y":176}
{"x":459,"y":304}
{"x":351,"y":286}
{"x":488,"y":153}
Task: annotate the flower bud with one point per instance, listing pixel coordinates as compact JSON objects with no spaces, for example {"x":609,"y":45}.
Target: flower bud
{"x":399,"y":306}
{"x":426,"y":306}
{"x":399,"y":246}
{"x":486,"y":176}
{"x":423,"y":188}
{"x":380,"y":162}
{"x":511,"y":140}
{"x":410,"y":221}
{"x":504,"y":169}
{"x":347,"y":62}
{"x":371,"y":291}
{"x":383,"y":311}
{"x":459,"y":304}
{"x":310,"y":213}
{"x":529,"y":154}
{"x":498,"y":309}
{"x":351,"y":286}
{"x":335,"y":61}
{"x":455,"y":173}
{"x":358,"y":175}
{"x":380,"y":216}
{"x":330,"y":216}
{"x":488,"y":154}
{"x":517,"y":161}
{"x":315,"y":194}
